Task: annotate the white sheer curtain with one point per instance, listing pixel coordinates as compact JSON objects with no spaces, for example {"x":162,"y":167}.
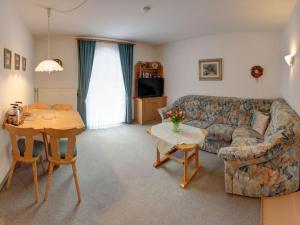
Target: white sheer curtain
{"x":105,"y":104}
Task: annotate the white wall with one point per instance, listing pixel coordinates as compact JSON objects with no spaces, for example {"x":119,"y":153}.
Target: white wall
{"x":57,"y":85}
{"x":14,"y":84}
{"x":65,"y":48}
{"x":240,"y":51}
{"x":290,"y":80}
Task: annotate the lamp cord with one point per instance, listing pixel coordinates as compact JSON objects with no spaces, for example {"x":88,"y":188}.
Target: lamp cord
{"x":48,"y":14}
{"x":61,"y":10}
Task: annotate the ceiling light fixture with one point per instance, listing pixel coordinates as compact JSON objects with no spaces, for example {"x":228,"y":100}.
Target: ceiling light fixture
{"x":289,"y":59}
{"x":48,"y":65}
{"x":146,"y":8}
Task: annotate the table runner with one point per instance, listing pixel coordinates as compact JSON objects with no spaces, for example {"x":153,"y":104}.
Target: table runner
{"x":167,"y":138}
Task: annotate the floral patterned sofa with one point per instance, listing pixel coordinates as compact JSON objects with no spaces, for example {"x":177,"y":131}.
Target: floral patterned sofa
{"x":255,"y":165}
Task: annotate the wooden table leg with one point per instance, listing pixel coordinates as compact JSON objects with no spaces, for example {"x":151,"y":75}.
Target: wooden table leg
{"x":197,"y":165}
{"x":45,"y":139}
{"x":186,"y":175}
{"x":185,"y":171}
{"x":159,"y":160}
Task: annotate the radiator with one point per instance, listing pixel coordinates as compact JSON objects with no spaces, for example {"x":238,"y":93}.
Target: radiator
{"x":56,"y":96}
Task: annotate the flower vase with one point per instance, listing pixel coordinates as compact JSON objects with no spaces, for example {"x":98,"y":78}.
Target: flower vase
{"x":176,"y":126}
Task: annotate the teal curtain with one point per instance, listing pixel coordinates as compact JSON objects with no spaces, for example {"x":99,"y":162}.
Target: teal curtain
{"x":86,"y":51}
{"x":126,"y":56}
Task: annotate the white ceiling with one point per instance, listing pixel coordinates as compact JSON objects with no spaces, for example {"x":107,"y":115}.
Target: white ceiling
{"x":168,"y":20}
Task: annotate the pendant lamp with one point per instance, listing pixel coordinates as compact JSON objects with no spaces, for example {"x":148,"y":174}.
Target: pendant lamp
{"x":48,"y":65}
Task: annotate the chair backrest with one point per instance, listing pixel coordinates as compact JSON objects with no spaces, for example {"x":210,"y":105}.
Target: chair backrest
{"x":66,"y":107}
{"x":28,"y":134}
{"x":69,"y":136}
{"x":39,"y":106}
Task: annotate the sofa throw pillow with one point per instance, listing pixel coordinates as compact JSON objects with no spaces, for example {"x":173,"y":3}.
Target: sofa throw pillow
{"x":260,"y":122}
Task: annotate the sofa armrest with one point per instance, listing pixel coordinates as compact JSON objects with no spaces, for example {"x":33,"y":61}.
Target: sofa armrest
{"x":244,"y":153}
{"x":255,"y":153}
{"x":162,"y":112}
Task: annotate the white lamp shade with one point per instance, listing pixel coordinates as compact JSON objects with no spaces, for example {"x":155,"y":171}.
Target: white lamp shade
{"x":289,"y":59}
{"x":48,"y":66}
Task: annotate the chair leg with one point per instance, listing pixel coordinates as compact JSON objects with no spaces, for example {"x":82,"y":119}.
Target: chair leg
{"x":51,"y":165}
{"x":11,"y":173}
{"x":43,"y":164}
{"x":76,"y":181}
{"x":36,"y":187}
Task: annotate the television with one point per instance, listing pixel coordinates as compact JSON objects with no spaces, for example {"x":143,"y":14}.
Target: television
{"x":150,"y":87}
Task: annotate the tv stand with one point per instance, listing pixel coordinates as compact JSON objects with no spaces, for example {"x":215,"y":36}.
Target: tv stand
{"x":146,"y":108}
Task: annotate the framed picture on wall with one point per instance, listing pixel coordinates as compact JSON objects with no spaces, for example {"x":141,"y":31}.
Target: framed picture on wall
{"x":7,"y":59}
{"x":23,"y":63}
{"x":211,"y":69}
{"x":17,"y":61}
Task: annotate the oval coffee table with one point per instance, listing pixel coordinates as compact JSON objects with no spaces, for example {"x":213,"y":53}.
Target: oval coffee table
{"x":182,"y":147}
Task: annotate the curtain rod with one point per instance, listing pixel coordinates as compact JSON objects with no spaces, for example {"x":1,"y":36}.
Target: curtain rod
{"x":109,"y":40}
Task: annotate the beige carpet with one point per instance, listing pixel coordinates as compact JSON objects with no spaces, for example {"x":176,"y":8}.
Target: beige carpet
{"x":119,"y":186}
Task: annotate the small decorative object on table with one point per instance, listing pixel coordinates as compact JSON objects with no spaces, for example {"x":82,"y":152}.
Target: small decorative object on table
{"x":175,"y":117}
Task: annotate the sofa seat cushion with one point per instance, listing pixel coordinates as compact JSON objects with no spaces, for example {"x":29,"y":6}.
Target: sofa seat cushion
{"x":219,"y":132}
{"x":246,"y":132}
{"x":246,"y":136}
{"x":198,"y":123}
{"x":245,"y":141}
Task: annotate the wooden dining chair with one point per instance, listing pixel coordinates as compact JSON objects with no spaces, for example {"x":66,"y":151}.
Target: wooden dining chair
{"x":25,"y":150}
{"x":65,"y":107}
{"x":39,"y":106}
{"x":62,"y":151}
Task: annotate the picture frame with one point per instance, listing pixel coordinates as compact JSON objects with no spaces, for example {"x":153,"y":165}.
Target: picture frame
{"x":17,"y":61}
{"x":7,"y":58}
{"x":211,"y":69}
{"x":23,"y":63}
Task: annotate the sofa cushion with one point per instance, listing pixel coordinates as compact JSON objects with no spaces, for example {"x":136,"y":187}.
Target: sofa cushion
{"x":194,"y":107}
{"x":249,"y":105}
{"x":244,"y":132}
{"x":222,"y":110}
{"x":197,"y":123}
{"x":283,"y":117}
{"x":220,"y":132}
{"x":245,"y":141}
{"x":260,"y":122}
{"x":245,"y":136}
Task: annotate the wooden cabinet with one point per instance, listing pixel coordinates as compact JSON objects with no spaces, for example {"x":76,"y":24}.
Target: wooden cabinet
{"x":146,"y":109}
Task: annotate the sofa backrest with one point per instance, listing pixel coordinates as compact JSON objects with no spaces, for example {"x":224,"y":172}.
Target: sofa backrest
{"x":249,"y":105}
{"x":283,"y":117}
{"x":193,"y":105}
{"x":224,"y":110}
{"x":228,"y":110}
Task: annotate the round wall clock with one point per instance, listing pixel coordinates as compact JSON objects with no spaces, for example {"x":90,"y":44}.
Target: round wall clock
{"x":257,"y":71}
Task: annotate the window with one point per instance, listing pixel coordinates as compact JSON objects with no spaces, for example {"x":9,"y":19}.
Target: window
{"x":105,"y":104}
